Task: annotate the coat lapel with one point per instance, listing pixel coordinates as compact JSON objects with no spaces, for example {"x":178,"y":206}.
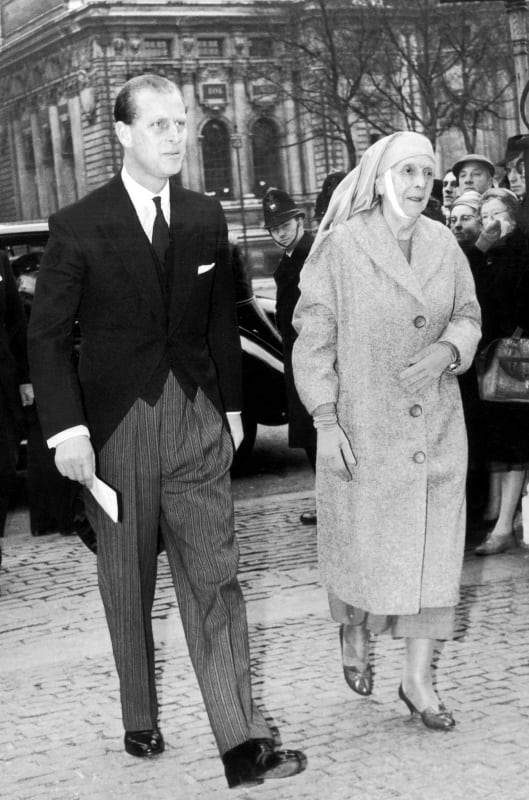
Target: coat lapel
{"x":122,"y":229}
{"x":380,"y":245}
{"x":186,"y":245}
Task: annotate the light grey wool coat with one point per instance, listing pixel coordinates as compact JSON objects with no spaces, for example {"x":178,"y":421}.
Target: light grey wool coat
{"x":390,"y":541}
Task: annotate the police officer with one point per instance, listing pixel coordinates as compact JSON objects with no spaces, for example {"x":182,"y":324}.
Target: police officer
{"x":284,"y":221}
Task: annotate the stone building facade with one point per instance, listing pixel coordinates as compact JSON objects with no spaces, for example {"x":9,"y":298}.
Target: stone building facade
{"x":63,"y":61}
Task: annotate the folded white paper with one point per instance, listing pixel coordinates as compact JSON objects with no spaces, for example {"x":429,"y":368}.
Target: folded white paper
{"x":525,"y":515}
{"x":106,"y":497}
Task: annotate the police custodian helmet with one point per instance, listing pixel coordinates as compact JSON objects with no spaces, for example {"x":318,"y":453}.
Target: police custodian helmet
{"x":278,"y":207}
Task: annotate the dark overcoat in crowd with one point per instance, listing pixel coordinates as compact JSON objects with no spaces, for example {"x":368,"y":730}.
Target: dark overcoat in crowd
{"x":501,"y":276}
{"x":301,"y":431}
{"x":13,"y":372}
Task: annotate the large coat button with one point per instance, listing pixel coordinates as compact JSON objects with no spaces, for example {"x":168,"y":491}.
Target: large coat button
{"x":416,"y":410}
{"x":419,"y":457}
{"x":419,"y":321}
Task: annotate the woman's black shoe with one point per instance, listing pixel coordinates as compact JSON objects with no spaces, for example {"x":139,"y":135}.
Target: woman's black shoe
{"x":440,"y":720}
{"x":255,"y":761}
{"x":144,"y":744}
{"x":360,"y":681}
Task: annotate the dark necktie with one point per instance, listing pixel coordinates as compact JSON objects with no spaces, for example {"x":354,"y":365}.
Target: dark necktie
{"x":160,"y":232}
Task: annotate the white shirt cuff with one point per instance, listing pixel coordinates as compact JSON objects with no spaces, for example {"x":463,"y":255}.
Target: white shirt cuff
{"x":233,"y":415}
{"x":68,"y":433}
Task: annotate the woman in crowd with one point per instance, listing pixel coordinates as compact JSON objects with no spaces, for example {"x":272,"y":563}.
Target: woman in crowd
{"x":500,"y":265}
{"x":15,"y":388}
{"x":387,"y":318}
{"x":465,"y":224}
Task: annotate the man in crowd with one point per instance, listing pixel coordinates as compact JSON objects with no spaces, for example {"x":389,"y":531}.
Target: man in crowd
{"x":474,"y":171}
{"x":284,"y":221}
{"x":450,"y":191}
{"x":144,"y":266}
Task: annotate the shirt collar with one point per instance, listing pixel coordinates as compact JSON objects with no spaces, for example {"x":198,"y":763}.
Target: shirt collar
{"x":142,"y":197}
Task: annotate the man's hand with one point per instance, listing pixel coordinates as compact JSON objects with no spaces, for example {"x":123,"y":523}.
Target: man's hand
{"x":75,"y":459}
{"x":236,"y":429}
{"x":27,"y":395}
{"x":334,"y":447}
{"x":426,"y":366}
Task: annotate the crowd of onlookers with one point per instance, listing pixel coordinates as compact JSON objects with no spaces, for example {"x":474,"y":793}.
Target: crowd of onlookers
{"x":487,"y":216}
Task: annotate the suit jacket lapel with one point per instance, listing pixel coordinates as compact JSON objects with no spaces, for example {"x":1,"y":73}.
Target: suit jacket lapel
{"x":185,"y":237}
{"x":124,"y":232}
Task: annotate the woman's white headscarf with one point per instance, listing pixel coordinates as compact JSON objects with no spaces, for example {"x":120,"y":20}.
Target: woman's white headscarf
{"x":357,"y":191}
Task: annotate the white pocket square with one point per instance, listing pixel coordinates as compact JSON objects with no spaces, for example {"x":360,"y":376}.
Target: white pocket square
{"x":205,"y":268}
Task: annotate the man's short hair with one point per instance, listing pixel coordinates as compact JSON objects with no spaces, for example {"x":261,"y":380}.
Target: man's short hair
{"x":125,"y":106}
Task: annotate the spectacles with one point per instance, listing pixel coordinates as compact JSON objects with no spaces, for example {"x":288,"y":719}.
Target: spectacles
{"x":464,"y":218}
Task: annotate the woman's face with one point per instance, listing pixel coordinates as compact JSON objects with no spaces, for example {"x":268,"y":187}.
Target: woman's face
{"x":516,"y":175}
{"x":413,"y":183}
{"x":464,"y":224}
{"x":496,"y":210}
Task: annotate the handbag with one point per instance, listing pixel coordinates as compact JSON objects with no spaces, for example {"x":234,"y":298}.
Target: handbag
{"x":503,"y":370}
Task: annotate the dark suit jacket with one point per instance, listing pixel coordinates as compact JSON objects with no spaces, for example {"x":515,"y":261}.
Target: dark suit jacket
{"x":98,"y":268}
{"x":301,"y":431}
{"x":13,"y":361}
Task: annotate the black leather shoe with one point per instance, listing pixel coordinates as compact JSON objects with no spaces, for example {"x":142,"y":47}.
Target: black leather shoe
{"x":437,"y":720}
{"x":144,"y":744}
{"x":255,"y":761}
{"x":360,"y":681}
{"x":308,"y":518}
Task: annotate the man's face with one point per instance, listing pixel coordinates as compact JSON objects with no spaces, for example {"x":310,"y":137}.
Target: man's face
{"x":155,"y":142}
{"x":450,"y":189}
{"x":464,"y":224}
{"x":474,"y":175}
{"x":516,"y":174}
{"x":287,"y":234}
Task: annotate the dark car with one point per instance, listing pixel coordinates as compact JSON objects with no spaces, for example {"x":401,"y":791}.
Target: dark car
{"x":262,"y":360}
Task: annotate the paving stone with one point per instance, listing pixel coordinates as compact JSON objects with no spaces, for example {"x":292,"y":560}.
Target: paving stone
{"x":60,"y":731}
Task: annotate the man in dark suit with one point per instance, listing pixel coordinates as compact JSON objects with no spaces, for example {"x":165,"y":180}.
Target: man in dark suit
{"x":143,"y":265}
{"x":284,"y":221}
{"x":15,"y":388}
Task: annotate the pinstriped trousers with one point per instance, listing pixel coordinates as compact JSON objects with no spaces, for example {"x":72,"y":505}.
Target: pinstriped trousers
{"x":170,"y":463}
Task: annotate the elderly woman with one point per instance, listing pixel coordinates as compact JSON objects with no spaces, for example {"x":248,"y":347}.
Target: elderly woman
{"x":387,"y":319}
{"x":500,"y":265}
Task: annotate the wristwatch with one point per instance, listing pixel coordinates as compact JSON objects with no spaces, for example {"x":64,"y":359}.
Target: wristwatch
{"x":456,"y":356}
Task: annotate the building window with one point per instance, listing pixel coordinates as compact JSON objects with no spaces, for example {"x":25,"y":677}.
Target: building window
{"x":66,"y":139}
{"x":216,"y":157}
{"x":156,"y":48}
{"x":266,"y":158}
{"x":27,"y":149}
{"x":211,"y":48}
{"x":47,"y":145}
{"x":261,"y":48}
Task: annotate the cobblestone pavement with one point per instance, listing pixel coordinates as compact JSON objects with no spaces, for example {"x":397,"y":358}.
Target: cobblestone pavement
{"x":60,"y":730}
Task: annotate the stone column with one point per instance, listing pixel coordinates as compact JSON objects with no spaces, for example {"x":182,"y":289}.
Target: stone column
{"x":295,"y":179}
{"x":55,"y":130}
{"x":40,"y":173}
{"x":191,"y":171}
{"x":76,"y":126}
{"x":239,"y":117}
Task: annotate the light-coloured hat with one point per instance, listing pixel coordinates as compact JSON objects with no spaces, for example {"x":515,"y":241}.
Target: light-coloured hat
{"x":477,"y":157}
{"x":470,"y":198}
{"x":357,"y":191}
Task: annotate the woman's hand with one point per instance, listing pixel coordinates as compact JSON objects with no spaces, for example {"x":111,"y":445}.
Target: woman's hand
{"x":334,"y":448}
{"x":426,"y":366}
